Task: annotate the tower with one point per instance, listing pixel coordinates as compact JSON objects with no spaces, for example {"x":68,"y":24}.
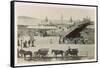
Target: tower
{"x":61,"y":18}
{"x":46,"y":19}
{"x":71,"y":20}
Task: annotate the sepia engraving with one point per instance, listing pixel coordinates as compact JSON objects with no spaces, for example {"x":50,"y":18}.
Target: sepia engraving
{"x":55,"y":33}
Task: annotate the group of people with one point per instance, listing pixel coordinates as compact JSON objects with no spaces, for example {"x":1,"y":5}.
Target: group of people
{"x":76,"y":41}
{"x":26,"y":43}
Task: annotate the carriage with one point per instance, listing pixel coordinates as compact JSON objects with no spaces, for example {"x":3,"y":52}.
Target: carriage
{"x":71,"y":52}
{"x":41,"y":53}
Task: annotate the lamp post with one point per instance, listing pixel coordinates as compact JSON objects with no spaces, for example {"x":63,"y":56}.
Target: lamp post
{"x":31,"y":35}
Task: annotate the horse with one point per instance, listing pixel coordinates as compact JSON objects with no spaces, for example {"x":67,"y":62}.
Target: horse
{"x":25,"y":53}
{"x":72,"y":52}
{"x":41,"y":52}
{"x":36,"y":54}
{"x":57,"y":52}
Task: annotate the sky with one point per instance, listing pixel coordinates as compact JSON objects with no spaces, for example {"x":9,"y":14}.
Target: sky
{"x":54,"y":11}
